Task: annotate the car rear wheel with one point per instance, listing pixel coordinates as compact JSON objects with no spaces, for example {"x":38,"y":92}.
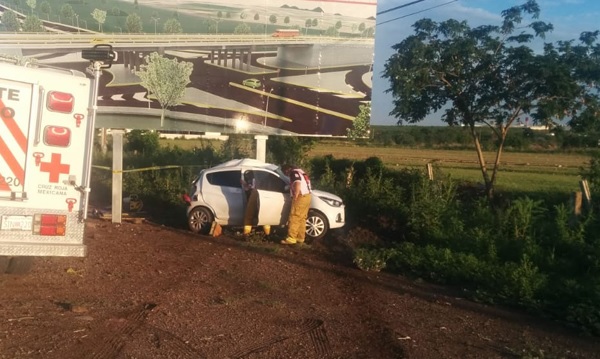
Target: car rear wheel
{"x":316,"y":225}
{"x":200,"y":219}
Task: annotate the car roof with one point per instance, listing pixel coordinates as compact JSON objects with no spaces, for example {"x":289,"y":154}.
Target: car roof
{"x":247,"y":162}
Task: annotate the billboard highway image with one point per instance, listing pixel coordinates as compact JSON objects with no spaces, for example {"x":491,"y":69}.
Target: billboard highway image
{"x":297,"y":67}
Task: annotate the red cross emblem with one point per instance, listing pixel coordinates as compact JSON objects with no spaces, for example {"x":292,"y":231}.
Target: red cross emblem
{"x":54,"y":167}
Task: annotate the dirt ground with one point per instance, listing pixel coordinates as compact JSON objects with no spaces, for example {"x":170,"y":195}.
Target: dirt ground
{"x":149,"y":291}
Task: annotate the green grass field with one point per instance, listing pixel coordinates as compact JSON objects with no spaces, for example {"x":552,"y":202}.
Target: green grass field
{"x":518,"y":171}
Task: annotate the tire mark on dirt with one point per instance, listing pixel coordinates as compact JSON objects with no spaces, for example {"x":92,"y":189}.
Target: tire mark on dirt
{"x":320,"y":341}
{"x":112,"y":346}
{"x":315,"y":329}
{"x":183,"y":349}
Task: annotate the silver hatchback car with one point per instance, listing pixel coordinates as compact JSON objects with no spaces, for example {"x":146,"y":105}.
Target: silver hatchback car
{"x":217,"y":195}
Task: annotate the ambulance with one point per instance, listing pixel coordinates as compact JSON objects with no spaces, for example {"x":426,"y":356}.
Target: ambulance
{"x":46,"y":143}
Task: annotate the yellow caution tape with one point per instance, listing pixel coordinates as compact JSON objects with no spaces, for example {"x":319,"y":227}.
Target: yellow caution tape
{"x":154,"y":168}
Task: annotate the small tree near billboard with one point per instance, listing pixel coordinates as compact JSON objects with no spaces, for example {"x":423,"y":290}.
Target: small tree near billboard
{"x":165,"y":79}
{"x":361,"y":126}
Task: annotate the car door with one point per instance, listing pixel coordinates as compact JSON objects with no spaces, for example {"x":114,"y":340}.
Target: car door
{"x":222,"y":191}
{"x":273,"y":197}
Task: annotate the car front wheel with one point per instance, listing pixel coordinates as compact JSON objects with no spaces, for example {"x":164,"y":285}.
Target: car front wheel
{"x":316,"y":225}
{"x":200,"y":219}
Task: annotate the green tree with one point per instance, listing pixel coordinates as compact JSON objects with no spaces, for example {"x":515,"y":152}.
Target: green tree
{"x":338,"y":25}
{"x":33,"y":23}
{"x":32,"y":4}
{"x":165,"y":79}
{"x":489,"y":75}
{"x":136,"y":5}
{"x":273,"y":19}
{"x":369,"y":32}
{"x":331,"y":31}
{"x":315,"y":22}
{"x":288,"y":149}
{"x":361,"y":126}
{"x":142,"y":141}
{"x":362,"y":27}
{"x":242,"y":28}
{"x":67,"y":12}
{"x":133,"y":23}
{"x":115,"y":11}
{"x":307,"y":24}
{"x":243,"y":16}
{"x":100,"y":17}
{"x":217,"y":21}
{"x":172,"y":26}
{"x":46,"y":8}
{"x":10,"y":20}
{"x":286,"y":20}
{"x":256,"y":17}
{"x":154,"y":17}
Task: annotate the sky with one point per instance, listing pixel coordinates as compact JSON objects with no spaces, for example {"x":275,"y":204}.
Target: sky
{"x":569,"y":17}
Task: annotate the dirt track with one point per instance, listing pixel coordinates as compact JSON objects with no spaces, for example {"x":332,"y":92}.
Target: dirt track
{"x":146,"y":291}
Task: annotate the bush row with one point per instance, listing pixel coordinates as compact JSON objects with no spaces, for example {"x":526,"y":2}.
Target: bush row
{"x":522,"y":252}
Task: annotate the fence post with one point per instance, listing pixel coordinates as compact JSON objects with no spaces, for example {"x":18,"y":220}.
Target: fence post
{"x":587,"y":197}
{"x":576,"y":200}
{"x":430,"y":171}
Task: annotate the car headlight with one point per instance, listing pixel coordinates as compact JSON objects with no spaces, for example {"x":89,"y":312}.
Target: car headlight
{"x":332,"y":202}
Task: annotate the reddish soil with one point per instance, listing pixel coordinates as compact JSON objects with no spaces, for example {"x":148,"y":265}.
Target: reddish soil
{"x":148,"y":291}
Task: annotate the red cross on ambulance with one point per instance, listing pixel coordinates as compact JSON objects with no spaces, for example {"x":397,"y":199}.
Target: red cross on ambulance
{"x":54,"y":168}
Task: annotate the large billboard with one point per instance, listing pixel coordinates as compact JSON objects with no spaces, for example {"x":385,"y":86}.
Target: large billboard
{"x":289,"y":67}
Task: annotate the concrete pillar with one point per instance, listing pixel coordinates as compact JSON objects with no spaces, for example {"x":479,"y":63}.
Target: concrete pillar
{"x":242,"y":61}
{"x":138,"y":60}
{"x":219,"y":55}
{"x":117,"y":175}
{"x":225,"y":57}
{"x":212,"y":56}
{"x":125,"y":55}
{"x":132,"y":57}
{"x":261,"y":147}
{"x":233,"y":57}
{"x":248,"y":58}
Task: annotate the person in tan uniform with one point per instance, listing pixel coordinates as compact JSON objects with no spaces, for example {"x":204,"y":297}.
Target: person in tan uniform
{"x":251,"y":212}
{"x":252,"y":203}
{"x":300,"y":192}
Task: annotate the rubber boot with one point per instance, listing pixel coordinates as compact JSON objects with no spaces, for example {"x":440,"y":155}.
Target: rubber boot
{"x":247,"y":230}
{"x":267,"y":229}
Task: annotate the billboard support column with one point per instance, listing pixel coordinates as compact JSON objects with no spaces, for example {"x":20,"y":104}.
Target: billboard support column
{"x":261,"y":147}
{"x":117,"y":175}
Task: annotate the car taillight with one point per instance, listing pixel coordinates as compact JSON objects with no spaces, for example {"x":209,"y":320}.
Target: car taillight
{"x":49,"y":224}
{"x":60,"y":102}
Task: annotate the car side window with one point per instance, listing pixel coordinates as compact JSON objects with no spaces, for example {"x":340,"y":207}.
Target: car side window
{"x":224,"y":178}
{"x":269,"y":182}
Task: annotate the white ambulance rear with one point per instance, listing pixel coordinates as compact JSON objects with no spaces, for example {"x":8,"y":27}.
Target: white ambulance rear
{"x":46,"y":139}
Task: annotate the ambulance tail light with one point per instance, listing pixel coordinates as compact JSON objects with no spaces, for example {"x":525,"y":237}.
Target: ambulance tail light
{"x":60,"y":102}
{"x":49,"y":224}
